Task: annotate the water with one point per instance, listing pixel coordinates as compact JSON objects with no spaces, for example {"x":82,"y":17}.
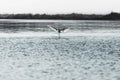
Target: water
{"x":76,"y":27}
{"x":41,"y":25}
{"x":73,"y":58}
{"x":91,"y":57}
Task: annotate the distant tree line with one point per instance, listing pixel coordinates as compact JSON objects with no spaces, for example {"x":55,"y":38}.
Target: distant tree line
{"x":72,"y":16}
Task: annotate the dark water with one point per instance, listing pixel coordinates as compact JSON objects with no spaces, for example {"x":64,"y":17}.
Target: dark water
{"x":14,"y":26}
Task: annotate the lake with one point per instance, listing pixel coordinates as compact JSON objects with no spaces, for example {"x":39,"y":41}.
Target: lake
{"x":76,"y":27}
{"x":13,"y":25}
{"x":89,"y":50}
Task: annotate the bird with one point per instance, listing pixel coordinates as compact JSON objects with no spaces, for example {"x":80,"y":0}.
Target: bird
{"x":58,"y":29}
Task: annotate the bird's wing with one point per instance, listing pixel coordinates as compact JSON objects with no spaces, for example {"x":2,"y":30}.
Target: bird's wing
{"x":53,"y":28}
{"x":66,"y":30}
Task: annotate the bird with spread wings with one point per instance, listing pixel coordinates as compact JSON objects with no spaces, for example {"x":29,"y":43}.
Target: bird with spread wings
{"x":58,"y":29}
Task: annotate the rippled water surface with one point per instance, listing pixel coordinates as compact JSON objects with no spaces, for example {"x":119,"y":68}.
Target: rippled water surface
{"x":94,"y":54}
{"x":73,"y":25}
